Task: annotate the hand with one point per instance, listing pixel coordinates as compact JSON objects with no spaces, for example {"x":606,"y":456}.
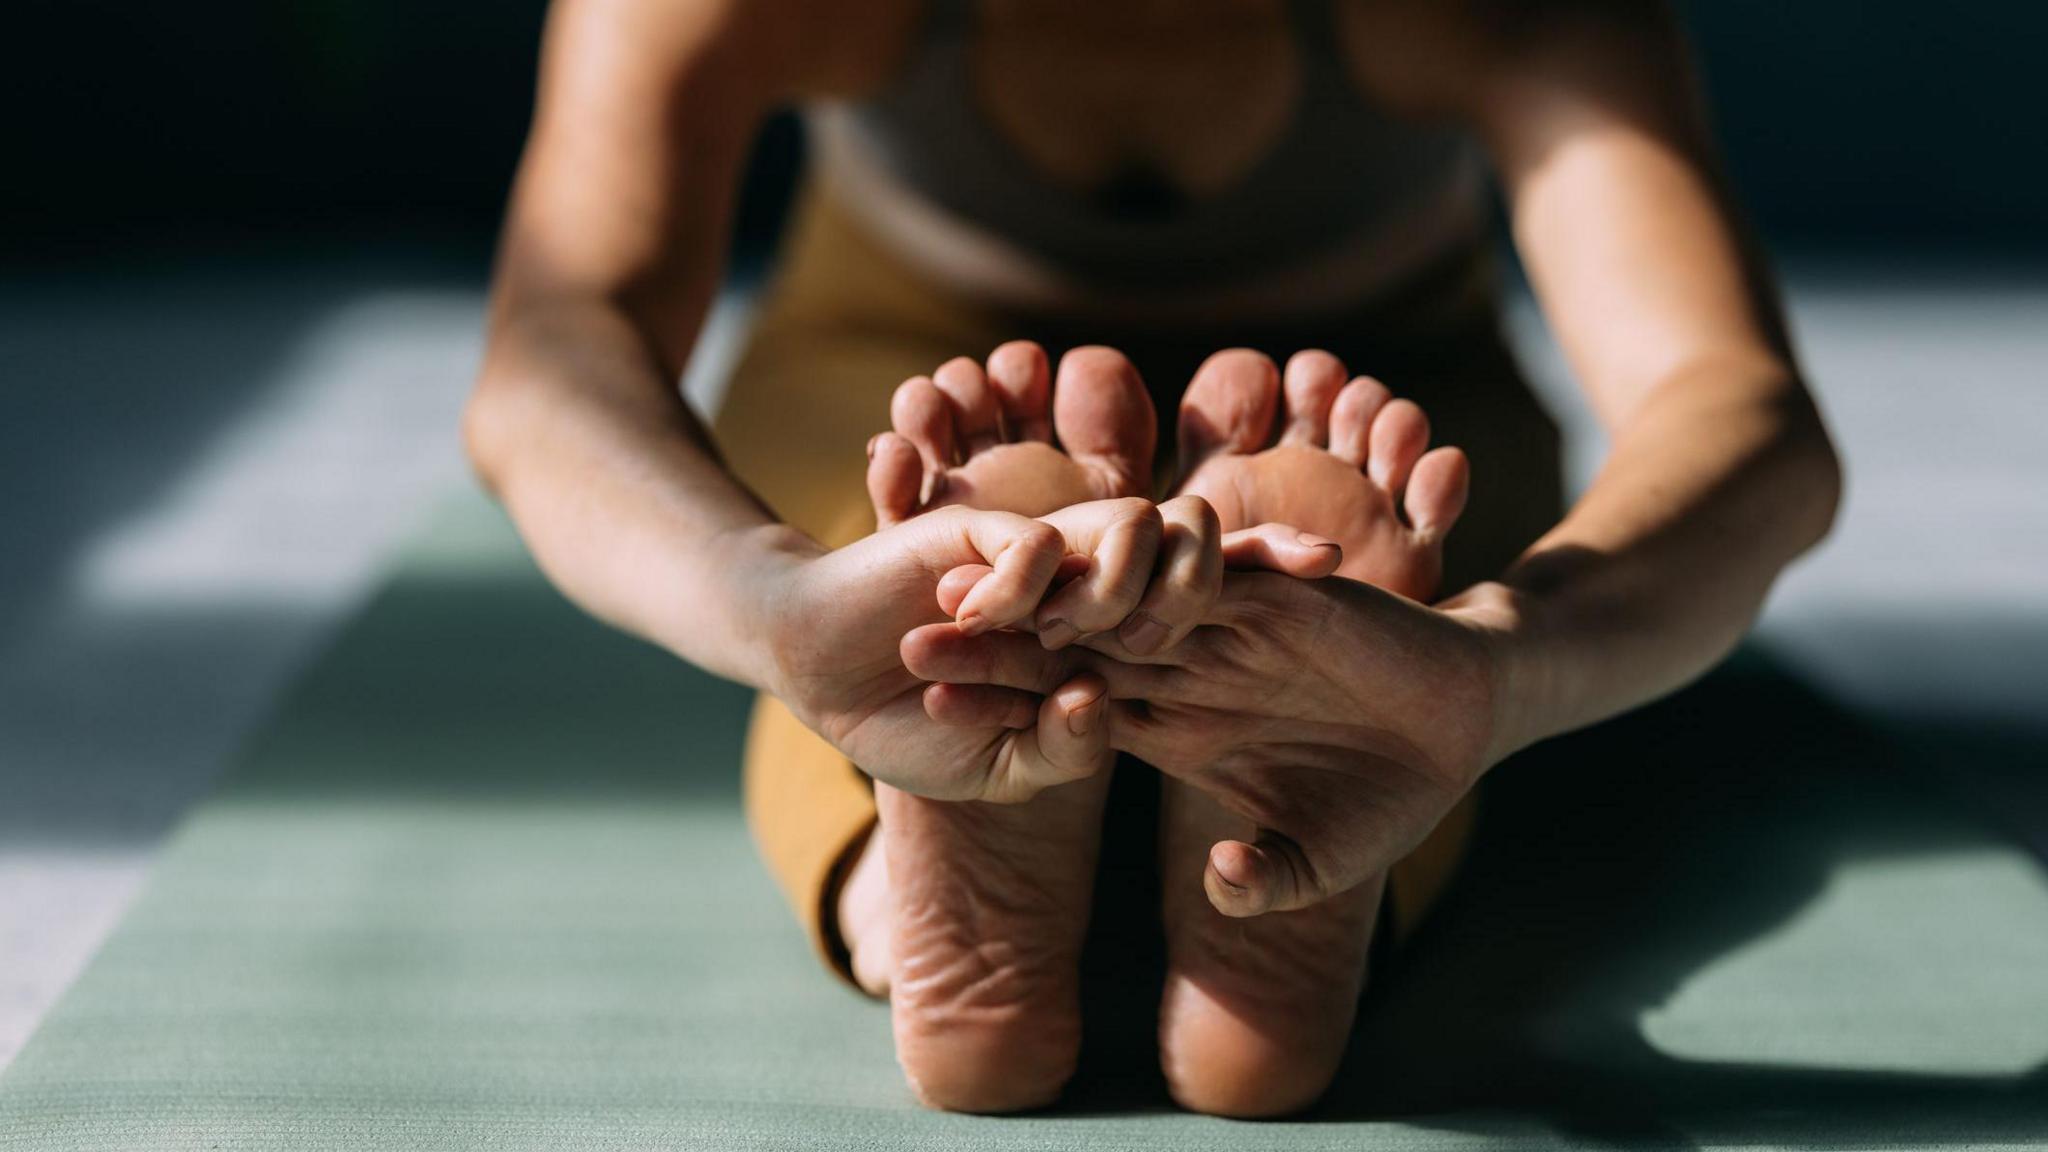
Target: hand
{"x":841,"y":617}
{"x":1342,"y":720}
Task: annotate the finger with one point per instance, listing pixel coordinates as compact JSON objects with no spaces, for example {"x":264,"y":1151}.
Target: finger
{"x":1272,"y":875}
{"x":1070,"y":742}
{"x":1133,"y":676}
{"x":922,"y":414}
{"x":981,"y":706}
{"x":942,"y":654}
{"x":1135,"y":729}
{"x":976,"y":417}
{"x":1023,"y":556}
{"x":1022,"y":379}
{"x":895,"y":475}
{"x":1121,"y":539}
{"x":1279,"y":548}
{"x":1188,"y":577}
{"x":956,"y":584}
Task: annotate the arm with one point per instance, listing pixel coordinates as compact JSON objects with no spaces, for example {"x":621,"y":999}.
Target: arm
{"x":1721,"y":471}
{"x":1342,"y":721}
{"x":612,"y":251}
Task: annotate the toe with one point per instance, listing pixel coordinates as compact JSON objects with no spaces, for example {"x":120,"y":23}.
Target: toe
{"x":1351,"y":418}
{"x":977,"y":418}
{"x":923,"y":415}
{"x":1022,"y":379}
{"x":1228,"y":406}
{"x":1311,"y":382}
{"x":895,"y":475}
{"x":1436,"y":492}
{"x":1399,"y":434}
{"x":1105,"y":418}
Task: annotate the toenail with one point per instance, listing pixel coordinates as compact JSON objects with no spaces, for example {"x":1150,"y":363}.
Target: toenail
{"x":1143,"y":633}
{"x":972,"y":625}
{"x":1315,"y":541}
{"x":1057,"y":633}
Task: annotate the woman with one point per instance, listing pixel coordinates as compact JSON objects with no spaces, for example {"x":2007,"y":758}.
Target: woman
{"x":1168,"y":180}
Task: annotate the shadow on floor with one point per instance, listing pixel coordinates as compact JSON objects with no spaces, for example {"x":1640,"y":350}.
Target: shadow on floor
{"x":1611,"y":868}
{"x":1615,"y":873}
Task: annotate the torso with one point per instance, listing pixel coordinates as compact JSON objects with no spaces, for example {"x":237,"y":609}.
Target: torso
{"x":1131,"y":82}
{"x":1163,"y":156}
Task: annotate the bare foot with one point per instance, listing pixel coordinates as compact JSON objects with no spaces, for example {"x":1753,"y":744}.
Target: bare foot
{"x":971,"y":915}
{"x":1257,"y":1010}
{"x":983,"y":438}
{"x":1348,"y":456}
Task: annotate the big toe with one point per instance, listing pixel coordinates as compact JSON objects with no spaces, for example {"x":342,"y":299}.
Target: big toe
{"x":1105,"y":418}
{"x":1228,"y":406}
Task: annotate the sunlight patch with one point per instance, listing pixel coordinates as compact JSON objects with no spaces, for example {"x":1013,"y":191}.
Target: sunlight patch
{"x":1956,"y":947}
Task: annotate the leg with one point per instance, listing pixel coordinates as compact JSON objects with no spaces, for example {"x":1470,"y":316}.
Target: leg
{"x":1257,"y":1012}
{"x":973,"y":915}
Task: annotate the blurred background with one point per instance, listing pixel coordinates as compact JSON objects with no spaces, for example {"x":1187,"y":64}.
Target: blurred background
{"x":242,"y":255}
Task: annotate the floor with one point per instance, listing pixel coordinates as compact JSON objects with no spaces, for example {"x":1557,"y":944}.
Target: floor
{"x":211,"y":471}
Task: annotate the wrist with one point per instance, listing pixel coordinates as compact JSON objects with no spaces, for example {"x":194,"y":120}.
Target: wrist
{"x":759,"y":565}
{"x":1508,"y":621}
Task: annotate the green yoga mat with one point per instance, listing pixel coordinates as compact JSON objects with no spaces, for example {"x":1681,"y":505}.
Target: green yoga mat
{"x":483,"y":883}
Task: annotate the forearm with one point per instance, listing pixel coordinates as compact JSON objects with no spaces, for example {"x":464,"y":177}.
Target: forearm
{"x":613,"y":250}
{"x":1721,"y":471}
{"x":618,"y":491}
{"x":1721,"y":476}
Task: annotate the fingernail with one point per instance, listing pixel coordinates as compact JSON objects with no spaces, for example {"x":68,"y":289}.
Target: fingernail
{"x":1057,"y":634}
{"x":872,"y":441}
{"x":1143,"y":633}
{"x":972,"y":625}
{"x":1315,"y":541}
{"x":1081,"y":721}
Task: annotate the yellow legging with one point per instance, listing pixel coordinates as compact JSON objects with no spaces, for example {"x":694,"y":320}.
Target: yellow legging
{"x":844,"y":322}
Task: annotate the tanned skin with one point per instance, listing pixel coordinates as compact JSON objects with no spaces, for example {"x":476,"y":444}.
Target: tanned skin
{"x":1720,"y":471}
